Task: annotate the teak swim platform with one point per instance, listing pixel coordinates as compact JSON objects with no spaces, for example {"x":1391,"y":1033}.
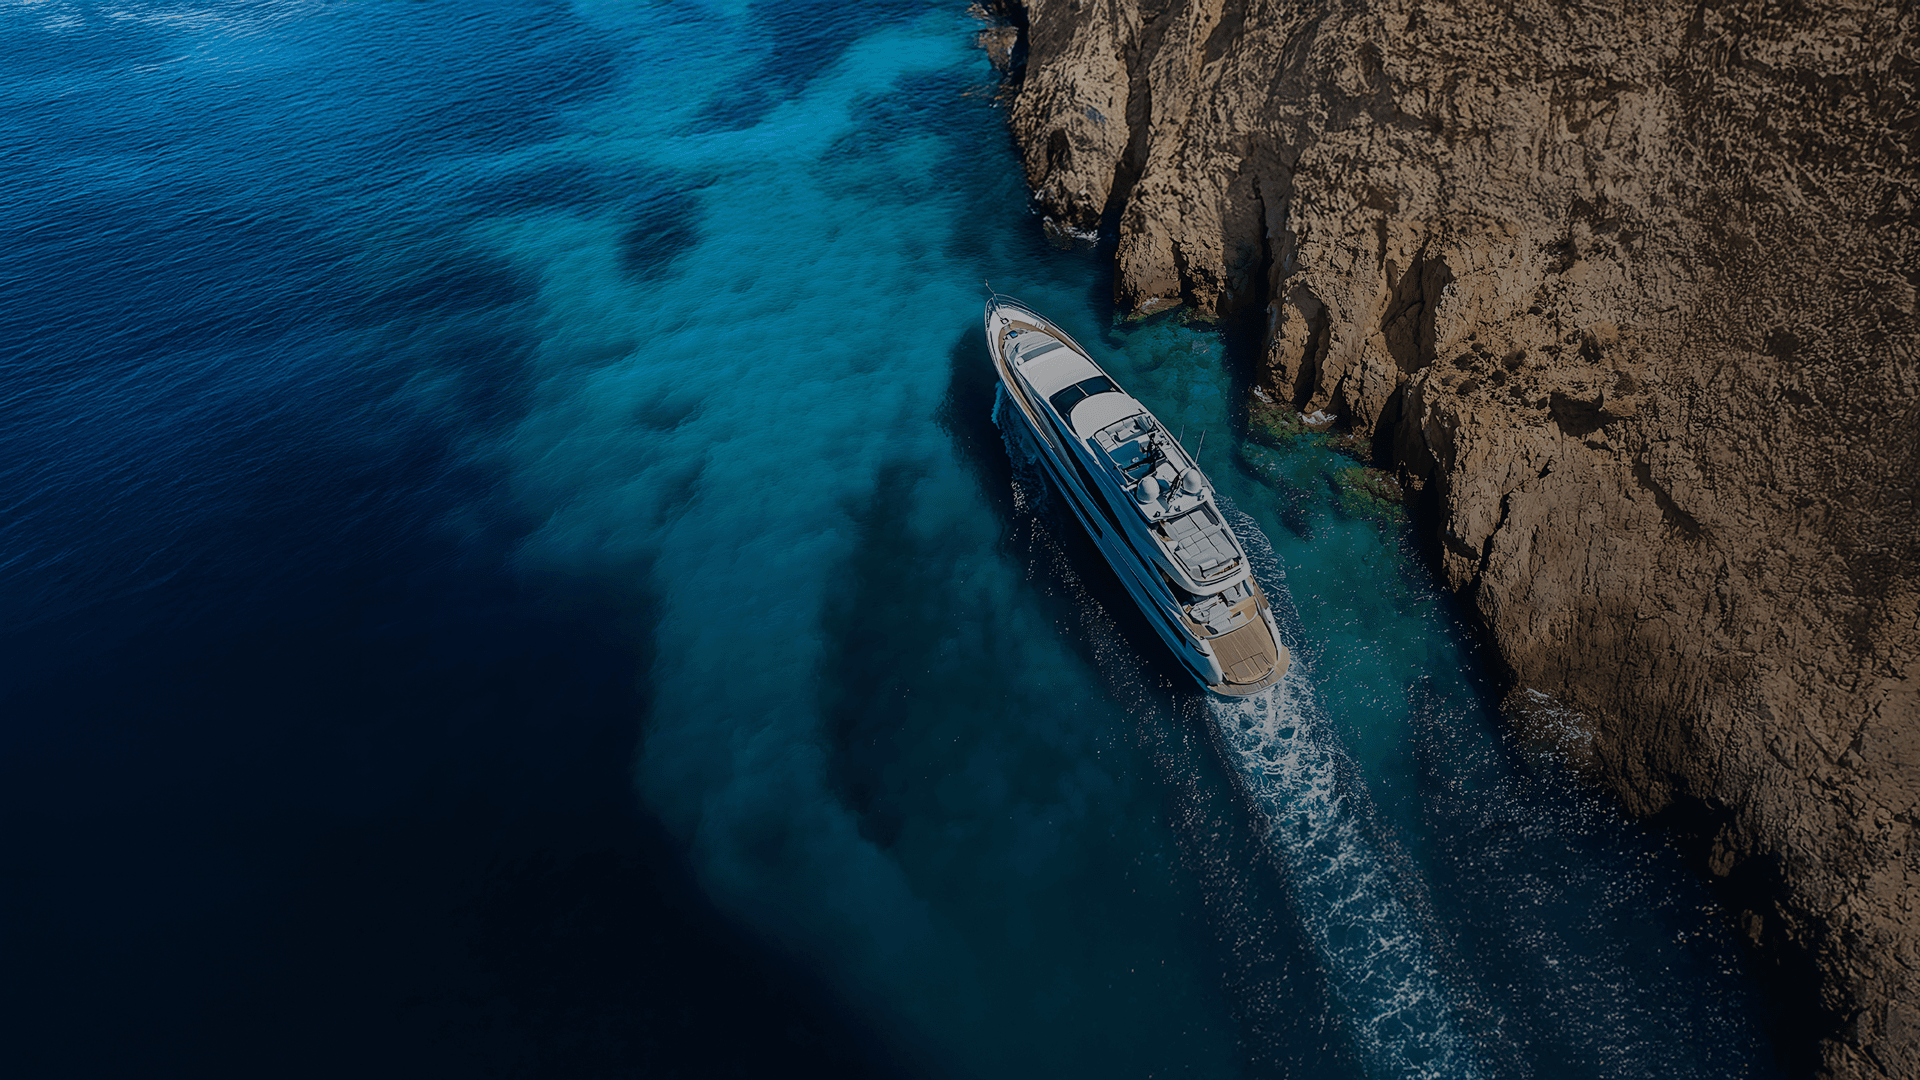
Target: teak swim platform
{"x":1143,"y":500}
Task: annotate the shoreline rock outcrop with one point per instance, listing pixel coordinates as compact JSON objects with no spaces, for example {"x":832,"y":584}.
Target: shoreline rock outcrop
{"x":1628,"y":293}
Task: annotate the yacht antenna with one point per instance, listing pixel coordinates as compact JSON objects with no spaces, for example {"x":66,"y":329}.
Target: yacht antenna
{"x":1202,"y":446}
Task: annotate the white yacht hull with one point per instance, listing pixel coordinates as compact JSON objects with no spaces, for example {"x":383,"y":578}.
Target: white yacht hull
{"x":1245,"y":650}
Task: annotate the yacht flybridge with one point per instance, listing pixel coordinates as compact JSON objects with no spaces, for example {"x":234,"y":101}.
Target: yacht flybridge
{"x":1142,"y":499}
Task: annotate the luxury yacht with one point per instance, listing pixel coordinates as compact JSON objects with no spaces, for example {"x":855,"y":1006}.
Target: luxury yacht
{"x":1142,"y":498}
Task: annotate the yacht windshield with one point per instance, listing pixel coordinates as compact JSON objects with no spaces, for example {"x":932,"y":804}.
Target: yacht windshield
{"x":1064,"y":400}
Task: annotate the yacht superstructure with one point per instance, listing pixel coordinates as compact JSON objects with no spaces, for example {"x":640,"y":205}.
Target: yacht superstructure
{"x":1143,"y":500}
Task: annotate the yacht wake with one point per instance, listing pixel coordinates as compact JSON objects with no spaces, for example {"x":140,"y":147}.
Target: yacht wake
{"x":1369,"y":938}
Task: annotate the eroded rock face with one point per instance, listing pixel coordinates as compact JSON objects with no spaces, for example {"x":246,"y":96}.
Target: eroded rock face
{"x":1630,"y":289}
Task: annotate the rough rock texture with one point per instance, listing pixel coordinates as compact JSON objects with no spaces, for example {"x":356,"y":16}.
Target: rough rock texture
{"x":1629,"y":289}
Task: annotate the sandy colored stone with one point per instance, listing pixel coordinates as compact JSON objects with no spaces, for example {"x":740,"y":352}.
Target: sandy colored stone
{"x":1629,"y":291}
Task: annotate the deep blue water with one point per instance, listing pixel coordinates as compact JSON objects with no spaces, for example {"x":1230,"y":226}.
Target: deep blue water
{"x":511,"y":571}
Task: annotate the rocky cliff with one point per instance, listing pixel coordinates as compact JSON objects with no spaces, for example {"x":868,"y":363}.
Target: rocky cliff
{"x":1628,"y":292}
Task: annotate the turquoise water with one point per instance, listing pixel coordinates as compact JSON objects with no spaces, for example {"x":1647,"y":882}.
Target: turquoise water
{"x":908,"y":727}
{"x":671,"y":311}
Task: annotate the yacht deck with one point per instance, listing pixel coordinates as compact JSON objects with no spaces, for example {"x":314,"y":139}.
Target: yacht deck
{"x":1248,"y":655}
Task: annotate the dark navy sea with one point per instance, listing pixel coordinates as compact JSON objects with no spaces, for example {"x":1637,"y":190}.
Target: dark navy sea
{"x":509,"y":570}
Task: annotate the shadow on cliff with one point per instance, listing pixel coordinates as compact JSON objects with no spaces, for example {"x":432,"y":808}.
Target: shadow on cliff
{"x":1748,"y":891}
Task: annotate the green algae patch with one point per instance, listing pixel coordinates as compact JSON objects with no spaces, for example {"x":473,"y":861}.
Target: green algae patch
{"x":1368,"y":494}
{"x":1278,"y":427}
{"x":1283,"y":428}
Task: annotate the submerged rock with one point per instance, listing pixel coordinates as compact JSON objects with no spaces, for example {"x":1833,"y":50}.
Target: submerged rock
{"x":1630,"y":290}
{"x":1363,"y":492}
{"x":1277,"y":426}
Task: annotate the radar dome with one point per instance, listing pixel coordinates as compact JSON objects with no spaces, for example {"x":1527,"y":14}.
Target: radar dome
{"x":1149,"y":490}
{"x":1190,"y":481}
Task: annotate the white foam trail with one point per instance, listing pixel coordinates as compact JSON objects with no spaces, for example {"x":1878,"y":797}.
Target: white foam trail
{"x":1369,"y":941}
{"x":1378,"y":963}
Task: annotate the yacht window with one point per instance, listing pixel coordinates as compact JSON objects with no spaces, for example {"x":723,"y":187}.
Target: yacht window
{"x":1064,"y":400}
